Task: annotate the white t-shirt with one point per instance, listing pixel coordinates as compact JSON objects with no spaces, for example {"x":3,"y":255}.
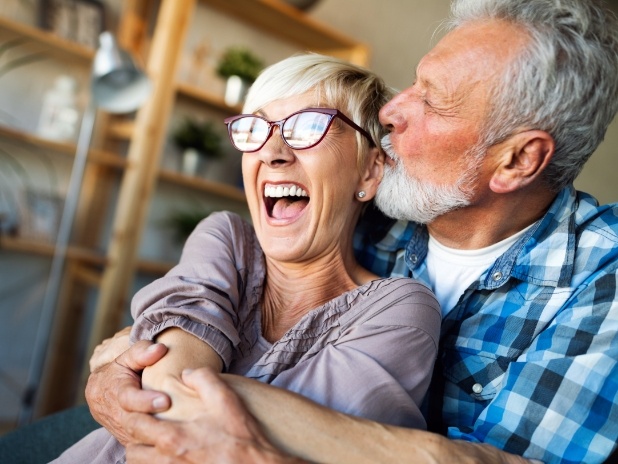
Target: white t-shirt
{"x":451,"y":271}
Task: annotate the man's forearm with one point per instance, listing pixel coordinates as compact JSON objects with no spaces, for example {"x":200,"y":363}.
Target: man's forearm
{"x":305,"y":429}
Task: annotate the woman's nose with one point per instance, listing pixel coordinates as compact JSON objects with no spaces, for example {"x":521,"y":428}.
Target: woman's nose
{"x":275,"y":152}
{"x":391,"y":115}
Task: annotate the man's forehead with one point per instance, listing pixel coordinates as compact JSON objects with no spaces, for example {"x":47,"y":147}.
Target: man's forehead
{"x":436,"y":75}
{"x":470,"y":55}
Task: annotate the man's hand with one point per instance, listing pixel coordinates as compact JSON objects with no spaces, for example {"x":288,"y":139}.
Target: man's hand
{"x":222,"y":431}
{"x":114,"y":390}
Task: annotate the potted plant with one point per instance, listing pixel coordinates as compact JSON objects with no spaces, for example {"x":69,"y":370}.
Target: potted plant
{"x":240,"y":67}
{"x":198,"y":141}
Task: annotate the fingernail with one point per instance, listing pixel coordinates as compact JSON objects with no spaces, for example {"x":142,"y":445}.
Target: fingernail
{"x":159,"y":403}
{"x":153,"y":347}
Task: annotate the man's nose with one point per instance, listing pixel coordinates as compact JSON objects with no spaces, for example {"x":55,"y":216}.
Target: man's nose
{"x":391,"y":115}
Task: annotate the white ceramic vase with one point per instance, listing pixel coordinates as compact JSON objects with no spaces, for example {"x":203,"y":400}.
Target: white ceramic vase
{"x":190,"y":161}
{"x":235,"y":90}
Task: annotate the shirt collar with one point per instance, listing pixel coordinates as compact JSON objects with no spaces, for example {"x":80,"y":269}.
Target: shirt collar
{"x":549,"y":244}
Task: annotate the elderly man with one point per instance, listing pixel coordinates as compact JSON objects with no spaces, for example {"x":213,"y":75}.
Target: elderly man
{"x":484,"y":147}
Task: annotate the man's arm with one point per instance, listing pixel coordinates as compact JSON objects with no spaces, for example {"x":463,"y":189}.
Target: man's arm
{"x":226,"y":431}
{"x":287,"y":424}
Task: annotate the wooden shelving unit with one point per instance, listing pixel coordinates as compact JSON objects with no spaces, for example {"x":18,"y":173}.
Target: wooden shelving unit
{"x":226,"y":191}
{"x":111,"y":270}
{"x":56,"y":47}
{"x":98,"y":156}
{"x":25,"y":245}
{"x":204,"y":97}
{"x":279,"y":19}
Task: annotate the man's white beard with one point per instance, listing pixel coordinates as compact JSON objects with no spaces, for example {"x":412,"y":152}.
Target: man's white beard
{"x":401,"y":196}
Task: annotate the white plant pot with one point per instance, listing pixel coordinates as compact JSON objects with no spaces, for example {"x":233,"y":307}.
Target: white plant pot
{"x":235,"y":90}
{"x":190,"y":161}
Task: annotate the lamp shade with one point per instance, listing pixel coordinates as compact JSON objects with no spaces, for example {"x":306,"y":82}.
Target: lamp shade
{"x":118,"y":85}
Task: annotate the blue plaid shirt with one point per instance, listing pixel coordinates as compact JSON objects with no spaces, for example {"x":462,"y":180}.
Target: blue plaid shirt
{"x":529,"y":355}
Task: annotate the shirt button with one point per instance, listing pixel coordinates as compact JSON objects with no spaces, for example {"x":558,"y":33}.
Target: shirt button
{"x":413,"y":259}
{"x":497,"y":276}
{"x":477,"y":388}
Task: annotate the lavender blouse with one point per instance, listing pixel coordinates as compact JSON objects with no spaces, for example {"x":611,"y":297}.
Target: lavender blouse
{"x":369,"y":352}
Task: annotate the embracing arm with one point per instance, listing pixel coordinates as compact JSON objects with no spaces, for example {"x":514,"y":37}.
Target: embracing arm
{"x":293,"y":424}
{"x":225,"y":431}
{"x":318,"y":434}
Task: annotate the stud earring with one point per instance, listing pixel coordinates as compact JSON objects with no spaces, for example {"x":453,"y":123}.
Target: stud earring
{"x":361,"y":194}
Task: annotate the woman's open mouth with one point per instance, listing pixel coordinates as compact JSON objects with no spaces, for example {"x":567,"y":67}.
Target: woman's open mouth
{"x":284,"y":201}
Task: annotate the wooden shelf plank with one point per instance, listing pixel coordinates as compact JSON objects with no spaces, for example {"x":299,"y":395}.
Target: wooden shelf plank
{"x":160,"y":268}
{"x":216,"y":188}
{"x":120,"y":128}
{"x":98,"y":156}
{"x":37,"y":247}
{"x":282,"y":20}
{"x":52,"y":43}
{"x":86,"y":275}
{"x":203,"y":96}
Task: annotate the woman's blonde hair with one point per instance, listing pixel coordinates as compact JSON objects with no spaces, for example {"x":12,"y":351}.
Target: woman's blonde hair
{"x":356,"y":91}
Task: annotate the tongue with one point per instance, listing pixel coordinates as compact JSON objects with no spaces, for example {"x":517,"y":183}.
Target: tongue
{"x":286,"y":208}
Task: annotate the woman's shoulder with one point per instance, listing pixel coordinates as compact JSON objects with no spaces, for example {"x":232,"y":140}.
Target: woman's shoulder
{"x":225,"y":220}
{"x":396,"y":301}
{"x":224,"y":232}
{"x":403,"y":289}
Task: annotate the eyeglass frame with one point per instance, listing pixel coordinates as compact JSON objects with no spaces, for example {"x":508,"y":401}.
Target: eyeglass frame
{"x":332,"y":112}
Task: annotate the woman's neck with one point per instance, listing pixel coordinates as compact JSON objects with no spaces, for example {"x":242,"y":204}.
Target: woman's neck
{"x":292,"y":290}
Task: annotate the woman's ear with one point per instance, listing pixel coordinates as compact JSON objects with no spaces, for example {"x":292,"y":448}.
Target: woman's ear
{"x":371,"y":175}
{"x":521,"y":160}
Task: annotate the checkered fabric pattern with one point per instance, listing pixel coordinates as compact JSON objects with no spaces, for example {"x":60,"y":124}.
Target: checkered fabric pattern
{"x":529,"y":355}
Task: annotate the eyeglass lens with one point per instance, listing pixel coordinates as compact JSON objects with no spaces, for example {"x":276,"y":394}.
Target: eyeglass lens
{"x":300,"y":130}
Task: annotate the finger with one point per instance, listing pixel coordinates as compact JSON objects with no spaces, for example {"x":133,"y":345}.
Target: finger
{"x":141,"y":355}
{"x":133,"y":398}
{"x":210,"y":387}
{"x":109,"y":350}
{"x":115,"y":389}
{"x":148,"y":430}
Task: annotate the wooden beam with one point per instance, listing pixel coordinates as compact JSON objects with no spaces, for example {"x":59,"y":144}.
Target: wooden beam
{"x":140,"y":177}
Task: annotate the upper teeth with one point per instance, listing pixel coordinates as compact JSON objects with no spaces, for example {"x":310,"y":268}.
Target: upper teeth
{"x":279,"y":191}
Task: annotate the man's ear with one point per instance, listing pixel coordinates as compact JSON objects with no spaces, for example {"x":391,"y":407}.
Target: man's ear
{"x":521,"y":160}
{"x":371,"y":175}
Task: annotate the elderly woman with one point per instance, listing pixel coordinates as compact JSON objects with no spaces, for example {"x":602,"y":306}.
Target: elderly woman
{"x":300,"y":312}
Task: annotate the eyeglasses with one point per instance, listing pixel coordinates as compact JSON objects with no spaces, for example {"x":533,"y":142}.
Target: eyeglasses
{"x":301,"y":130}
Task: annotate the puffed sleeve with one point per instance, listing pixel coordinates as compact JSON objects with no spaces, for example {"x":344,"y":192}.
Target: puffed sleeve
{"x":201,"y":295}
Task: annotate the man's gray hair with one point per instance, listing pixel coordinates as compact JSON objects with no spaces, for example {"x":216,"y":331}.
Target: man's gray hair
{"x":565,"y":82}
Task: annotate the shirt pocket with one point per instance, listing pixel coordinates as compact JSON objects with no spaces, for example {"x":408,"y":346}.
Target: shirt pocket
{"x":476,"y":373}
